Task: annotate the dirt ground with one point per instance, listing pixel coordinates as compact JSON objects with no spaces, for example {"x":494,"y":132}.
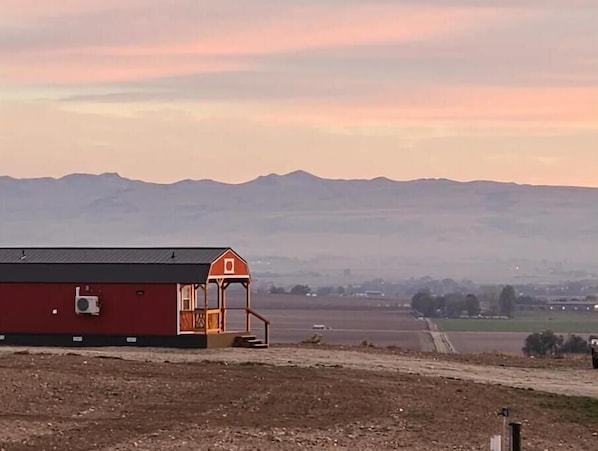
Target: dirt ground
{"x":288,"y":397}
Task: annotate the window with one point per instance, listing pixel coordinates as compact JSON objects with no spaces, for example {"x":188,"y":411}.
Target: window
{"x":186,"y":299}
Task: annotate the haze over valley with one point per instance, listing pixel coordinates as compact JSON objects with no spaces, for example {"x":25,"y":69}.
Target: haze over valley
{"x":302,"y":227}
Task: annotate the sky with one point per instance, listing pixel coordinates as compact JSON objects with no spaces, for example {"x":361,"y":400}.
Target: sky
{"x":166,"y":90}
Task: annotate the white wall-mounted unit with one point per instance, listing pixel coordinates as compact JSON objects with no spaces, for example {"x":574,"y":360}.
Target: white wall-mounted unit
{"x":86,"y":304}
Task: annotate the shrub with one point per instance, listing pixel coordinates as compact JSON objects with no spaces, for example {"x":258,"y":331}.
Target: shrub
{"x":575,"y":345}
{"x":548,"y":344}
{"x":315,"y":339}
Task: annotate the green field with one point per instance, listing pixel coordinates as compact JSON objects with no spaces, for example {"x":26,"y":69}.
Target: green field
{"x":562,"y":323}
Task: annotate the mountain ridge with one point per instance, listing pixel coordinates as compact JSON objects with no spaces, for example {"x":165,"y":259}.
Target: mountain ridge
{"x":373,"y":226}
{"x":296,"y":175}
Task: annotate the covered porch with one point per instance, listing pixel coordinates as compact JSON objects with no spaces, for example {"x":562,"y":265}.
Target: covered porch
{"x":204,"y":309}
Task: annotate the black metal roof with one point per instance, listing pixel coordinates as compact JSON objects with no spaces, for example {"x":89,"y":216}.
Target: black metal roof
{"x":122,"y":255}
{"x":117,"y":265}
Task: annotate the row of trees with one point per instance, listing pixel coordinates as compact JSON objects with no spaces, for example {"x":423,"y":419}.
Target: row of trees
{"x":451,"y":305}
{"x":547,"y":343}
{"x":455,"y":304}
{"x":296,"y":290}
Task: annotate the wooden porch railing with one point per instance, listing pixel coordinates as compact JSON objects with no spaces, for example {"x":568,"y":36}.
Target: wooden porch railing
{"x":212,"y":318}
{"x":209,"y":321}
{"x":187,"y":321}
{"x":266,"y":322}
{"x":200,"y":320}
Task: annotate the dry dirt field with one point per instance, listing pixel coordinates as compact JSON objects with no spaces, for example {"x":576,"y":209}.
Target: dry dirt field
{"x":384,"y":322}
{"x":351,"y":327}
{"x":288,"y":397}
{"x":476,"y":342}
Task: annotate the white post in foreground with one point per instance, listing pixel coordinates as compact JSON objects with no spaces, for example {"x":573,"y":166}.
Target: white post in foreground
{"x":496,"y":443}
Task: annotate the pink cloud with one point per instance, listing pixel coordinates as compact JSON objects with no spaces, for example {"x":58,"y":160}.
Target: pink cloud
{"x":471,"y":106}
{"x":323,"y":27}
{"x":301,"y":28}
{"x":20,"y":10}
{"x":98,"y":68}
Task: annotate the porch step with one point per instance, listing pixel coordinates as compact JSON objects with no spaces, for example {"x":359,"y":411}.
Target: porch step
{"x":249,"y":341}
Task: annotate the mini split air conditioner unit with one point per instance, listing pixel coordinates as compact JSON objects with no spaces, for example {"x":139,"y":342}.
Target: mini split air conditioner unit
{"x":86,"y":304}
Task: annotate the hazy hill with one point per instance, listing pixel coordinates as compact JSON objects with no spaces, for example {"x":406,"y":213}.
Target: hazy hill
{"x":480,"y":230}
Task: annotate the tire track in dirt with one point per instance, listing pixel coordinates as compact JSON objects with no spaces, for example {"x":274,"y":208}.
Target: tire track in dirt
{"x":559,"y":381}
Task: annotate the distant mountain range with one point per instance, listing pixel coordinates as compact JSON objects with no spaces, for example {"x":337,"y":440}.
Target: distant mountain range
{"x":300,"y":223}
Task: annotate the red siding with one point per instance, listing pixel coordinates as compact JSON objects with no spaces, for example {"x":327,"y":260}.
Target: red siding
{"x":229,"y":264}
{"x":27,"y":308}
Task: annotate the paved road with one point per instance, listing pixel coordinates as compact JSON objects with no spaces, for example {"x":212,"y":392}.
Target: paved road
{"x":441,"y":342}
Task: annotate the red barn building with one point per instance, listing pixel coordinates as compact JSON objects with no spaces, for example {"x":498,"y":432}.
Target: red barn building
{"x":122,"y":296}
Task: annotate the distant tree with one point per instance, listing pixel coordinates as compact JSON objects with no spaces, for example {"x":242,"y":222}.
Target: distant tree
{"x":533,"y":345}
{"x":276,"y":290}
{"x":439,"y":305}
{"x":540,"y":344}
{"x":525,"y":300}
{"x":300,"y":290}
{"x":547,"y":343}
{"x":574,"y":344}
{"x":492,"y":310}
{"x":324,"y":291}
{"x":424,"y":303}
{"x":506,"y":301}
{"x":340,"y":291}
{"x":472,"y":305}
{"x":454,"y":305}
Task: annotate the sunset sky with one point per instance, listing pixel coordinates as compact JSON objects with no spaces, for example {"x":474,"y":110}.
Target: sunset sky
{"x":229,"y":90}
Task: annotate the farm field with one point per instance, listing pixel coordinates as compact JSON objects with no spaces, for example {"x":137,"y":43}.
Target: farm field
{"x":562,"y":323}
{"x":387,"y":322}
{"x":350,"y":321}
{"x":350,"y":327}
{"x":494,"y":342}
{"x":286,"y":398}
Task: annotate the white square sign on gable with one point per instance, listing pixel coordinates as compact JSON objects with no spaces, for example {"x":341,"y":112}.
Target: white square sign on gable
{"x":229,"y":266}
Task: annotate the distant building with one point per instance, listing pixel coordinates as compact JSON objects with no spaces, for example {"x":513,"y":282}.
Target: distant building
{"x":571,"y":306}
